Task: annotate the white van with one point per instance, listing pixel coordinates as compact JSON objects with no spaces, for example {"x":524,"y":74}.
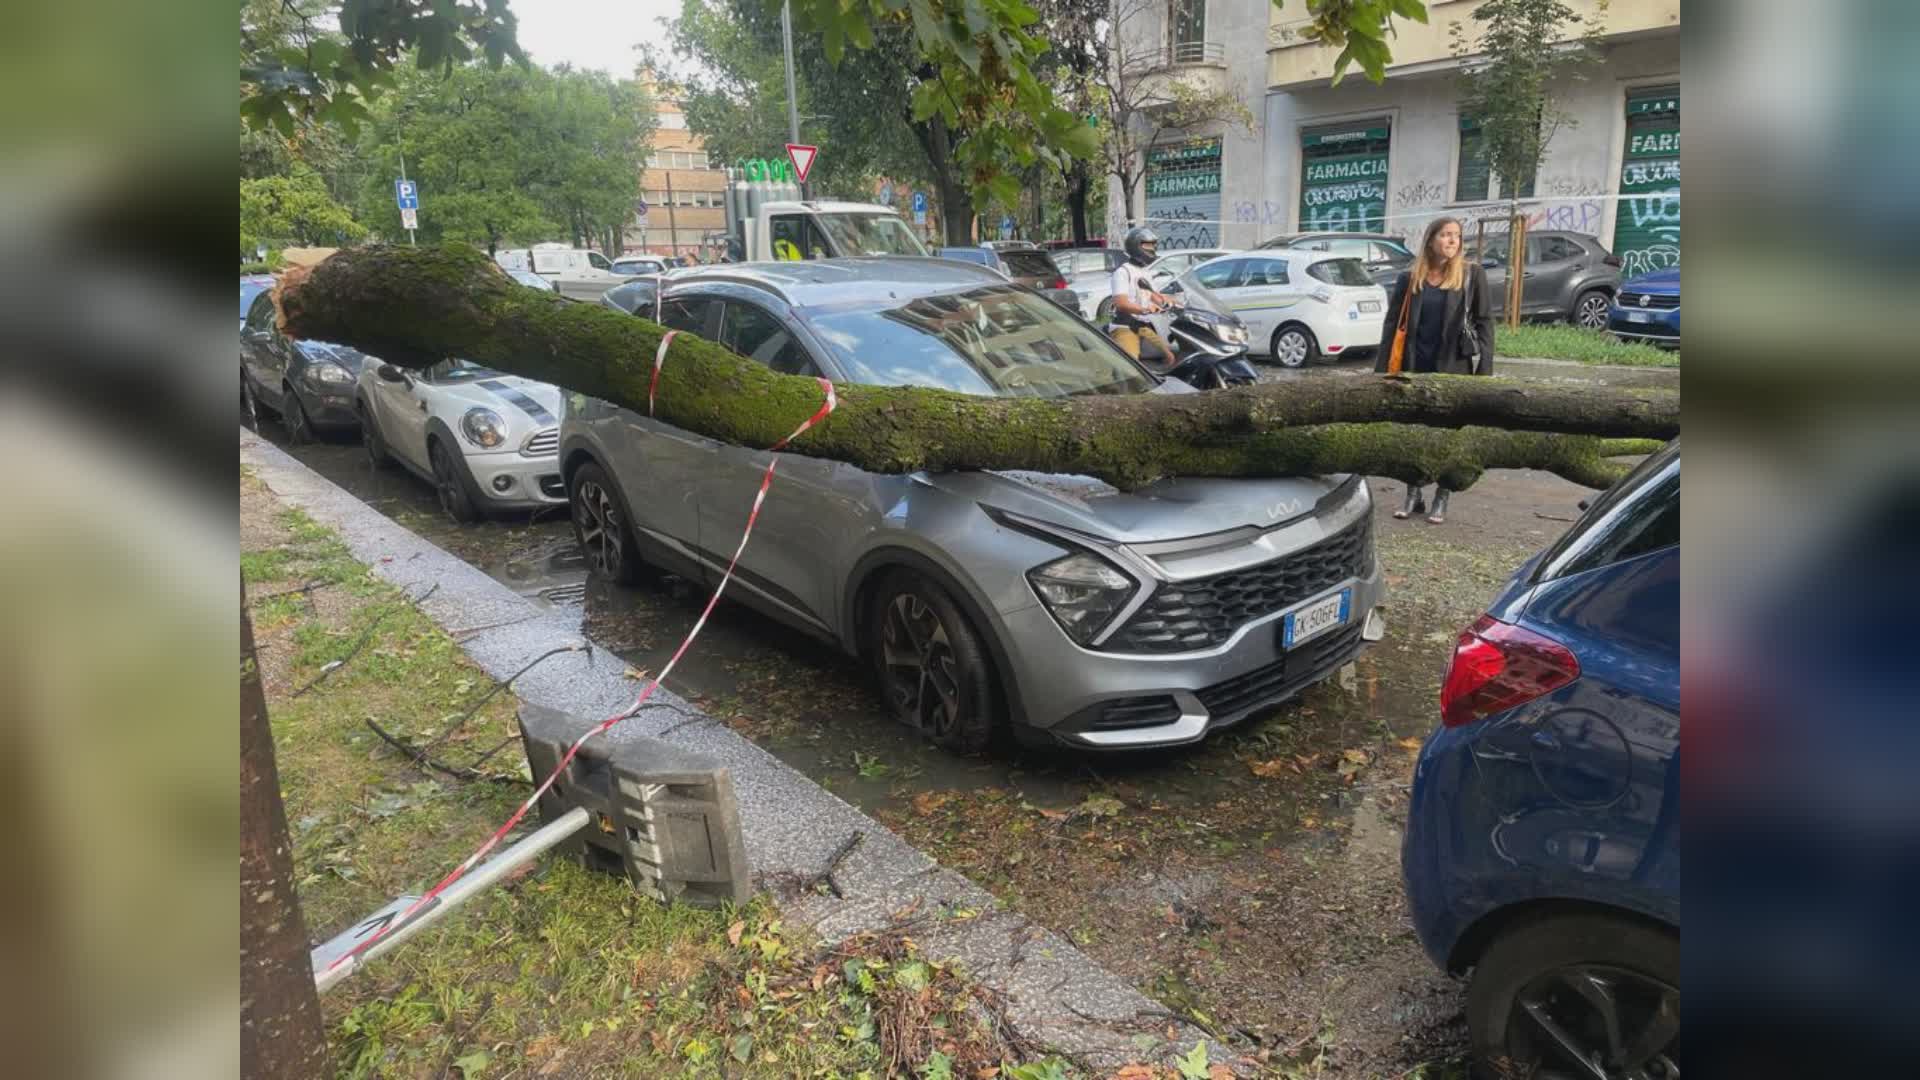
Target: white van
{"x":578,"y":274}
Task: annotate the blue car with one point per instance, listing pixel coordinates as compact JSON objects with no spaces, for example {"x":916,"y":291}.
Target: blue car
{"x":1647,"y":308}
{"x":1542,"y":849}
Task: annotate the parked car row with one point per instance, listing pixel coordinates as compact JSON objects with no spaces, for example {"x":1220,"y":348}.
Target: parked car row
{"x":485,"y":440}
{"x":1541,"y":850}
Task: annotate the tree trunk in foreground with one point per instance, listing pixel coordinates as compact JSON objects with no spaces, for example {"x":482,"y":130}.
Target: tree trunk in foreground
{"x":281,"y":1034}
{"x":416,"y":306}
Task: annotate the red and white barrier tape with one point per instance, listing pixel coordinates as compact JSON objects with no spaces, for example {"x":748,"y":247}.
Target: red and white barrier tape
{"x":766,"y":481}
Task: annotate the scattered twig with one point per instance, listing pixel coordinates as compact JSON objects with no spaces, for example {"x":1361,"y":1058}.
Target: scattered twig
{"x":685,"y":723}
{"x":420,"y":758}
{"x":365,"y":636}
{"x":500,"y":685}
{"x":1552,"y":517}
{"x":310,"y":586}
{"x":825,"y":877}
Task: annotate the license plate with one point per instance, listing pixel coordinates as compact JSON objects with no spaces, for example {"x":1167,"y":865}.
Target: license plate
{"x":1315,"y":618}
{"x":1639,"y":316}
{"x":1369,"y":305}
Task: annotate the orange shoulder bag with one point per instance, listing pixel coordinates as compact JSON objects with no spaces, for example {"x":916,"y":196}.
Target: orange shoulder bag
{"x":1397,"y":357}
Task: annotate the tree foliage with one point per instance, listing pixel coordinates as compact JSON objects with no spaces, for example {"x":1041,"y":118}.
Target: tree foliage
{"x":1360,"y":28}
{"x":736,"y":97}
{"x":322,"y":61}
{"x":508,"y":154}
{"x":985,"y":112}
{"x":294,"y":210}
{"x":1521,"y":48}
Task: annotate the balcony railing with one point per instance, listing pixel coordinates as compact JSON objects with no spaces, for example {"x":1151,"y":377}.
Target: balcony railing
{"x":1196,"y":52}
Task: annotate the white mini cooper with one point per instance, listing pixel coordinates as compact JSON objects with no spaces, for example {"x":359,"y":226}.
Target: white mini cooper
{"x":486,"y":441}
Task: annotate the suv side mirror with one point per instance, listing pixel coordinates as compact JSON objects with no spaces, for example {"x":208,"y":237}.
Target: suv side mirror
{"x":389,"y":373}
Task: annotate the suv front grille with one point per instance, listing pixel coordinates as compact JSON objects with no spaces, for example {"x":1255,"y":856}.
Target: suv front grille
{"x":1650,"y":301}
{"x":1187,"y":615}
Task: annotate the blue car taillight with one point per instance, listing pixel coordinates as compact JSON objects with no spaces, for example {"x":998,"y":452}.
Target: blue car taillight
{"x":1497,"y":666}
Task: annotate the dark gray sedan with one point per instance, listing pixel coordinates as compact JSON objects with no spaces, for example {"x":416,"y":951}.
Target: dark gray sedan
{"x":309,"y":384}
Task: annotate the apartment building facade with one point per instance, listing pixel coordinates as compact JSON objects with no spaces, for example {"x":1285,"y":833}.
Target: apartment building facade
{"x":1391,"y":157}
{"x":681,"y":210}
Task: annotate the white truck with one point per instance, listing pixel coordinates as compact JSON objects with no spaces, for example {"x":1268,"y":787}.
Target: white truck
{"x":576,"y":273}
{"x":761,"y":226}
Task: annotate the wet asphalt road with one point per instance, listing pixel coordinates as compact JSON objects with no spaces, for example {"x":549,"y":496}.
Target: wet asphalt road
{"x":1296,"y":811}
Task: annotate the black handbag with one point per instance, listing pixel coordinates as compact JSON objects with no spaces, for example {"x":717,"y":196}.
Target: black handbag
{"x":1472,"y":349}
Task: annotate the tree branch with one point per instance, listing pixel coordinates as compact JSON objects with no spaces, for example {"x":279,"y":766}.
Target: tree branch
{"x":416,"y":306}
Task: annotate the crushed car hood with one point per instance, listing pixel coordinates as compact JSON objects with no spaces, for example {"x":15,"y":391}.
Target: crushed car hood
{"x":1169,"y":509}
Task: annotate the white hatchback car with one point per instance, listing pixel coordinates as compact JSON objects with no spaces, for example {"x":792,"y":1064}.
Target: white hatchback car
{"x":486,"y":441}
{"x":1299,"y":306}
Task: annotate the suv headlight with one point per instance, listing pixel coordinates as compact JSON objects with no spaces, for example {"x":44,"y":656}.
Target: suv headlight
{"x":484,"y":428}
{"x":1082,"y":593}
{"x":328,"y":372}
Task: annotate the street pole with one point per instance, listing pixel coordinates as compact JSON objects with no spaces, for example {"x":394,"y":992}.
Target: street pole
{"x":403,"y":175}
{"x":793,"y":99}
{"x":673,"y":223}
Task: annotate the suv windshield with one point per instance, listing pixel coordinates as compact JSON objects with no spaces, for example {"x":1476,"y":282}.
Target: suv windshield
{"x":995,"y":341}
{"x":1339,"y":272}
{"x":1030,"y":264}
{"x":869,"y":234}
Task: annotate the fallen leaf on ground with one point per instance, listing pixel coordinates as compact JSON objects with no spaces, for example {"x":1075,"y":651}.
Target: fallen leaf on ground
{"x":1410,"y":743}
{"x":1102,"y":806}
{"x":1136,"y":1072}
{"x":734,"y":932}
{"x":929,"y":801}
{"x":1357,"y":757}
{"x":1219,"y":1072}
{"x":636,"y":674}
{"x":553,"y":1066}
{"x":1271,"y":768}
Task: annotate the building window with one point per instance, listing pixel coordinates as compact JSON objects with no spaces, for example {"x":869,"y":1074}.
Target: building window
{"x":1474,"y":181}
{"x":1343,"y":186}
{"x":1188,"y":20}
{"x":673,"y":121}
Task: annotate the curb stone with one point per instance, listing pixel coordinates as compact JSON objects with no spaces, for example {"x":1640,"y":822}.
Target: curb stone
{"x":1056,"y":995}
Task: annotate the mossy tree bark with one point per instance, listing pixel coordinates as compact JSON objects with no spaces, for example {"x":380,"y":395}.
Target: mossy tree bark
{"x":416,"y":306}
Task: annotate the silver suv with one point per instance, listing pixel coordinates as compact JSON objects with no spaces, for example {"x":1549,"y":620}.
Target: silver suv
{"x":1052,"y":608}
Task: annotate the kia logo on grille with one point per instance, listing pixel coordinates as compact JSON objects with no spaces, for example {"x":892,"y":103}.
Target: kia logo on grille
{"x":1645,"y":299}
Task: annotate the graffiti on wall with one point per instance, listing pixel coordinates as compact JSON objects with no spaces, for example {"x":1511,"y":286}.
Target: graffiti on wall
{"x":1182,"y":227}
{"x":1421,"y":193}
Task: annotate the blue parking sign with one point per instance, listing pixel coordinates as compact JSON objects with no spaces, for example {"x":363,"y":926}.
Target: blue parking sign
{"x":405,"y":195}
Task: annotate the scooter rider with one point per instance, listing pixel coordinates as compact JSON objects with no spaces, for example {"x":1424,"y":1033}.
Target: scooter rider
{"x":1134,"y":297}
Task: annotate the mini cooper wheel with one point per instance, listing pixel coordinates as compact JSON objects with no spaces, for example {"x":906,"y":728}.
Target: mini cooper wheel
{"x":450,"y":483}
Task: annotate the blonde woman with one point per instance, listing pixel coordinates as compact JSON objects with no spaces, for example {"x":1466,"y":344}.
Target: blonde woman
{"x":1442,"y":303}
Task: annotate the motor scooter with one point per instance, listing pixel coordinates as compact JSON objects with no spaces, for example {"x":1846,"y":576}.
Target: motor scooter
{"x":1209,"y":345}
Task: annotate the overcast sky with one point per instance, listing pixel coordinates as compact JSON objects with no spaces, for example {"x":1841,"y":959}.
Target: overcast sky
{"x":591,"y":33}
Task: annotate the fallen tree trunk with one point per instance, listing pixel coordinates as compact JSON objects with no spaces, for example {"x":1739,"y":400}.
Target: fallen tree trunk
{"x":416,"y":306}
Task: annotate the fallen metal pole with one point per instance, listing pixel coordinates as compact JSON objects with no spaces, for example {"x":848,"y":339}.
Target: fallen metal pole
{"x":327,"y":974}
